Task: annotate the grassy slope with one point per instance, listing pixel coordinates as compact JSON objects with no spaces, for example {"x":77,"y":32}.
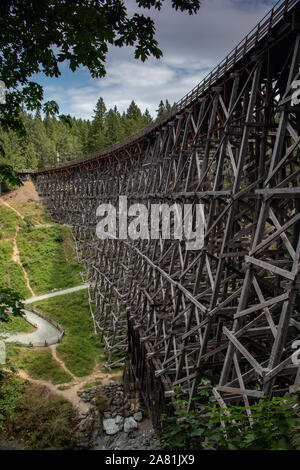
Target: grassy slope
{"x":38,"y":363}
{"x":80,"y":348}
{"x":11,"y":273}
{"x":30,"y":413}
{"x":32,"y":211}
{"x":16,"y":325}
{"x":48,"y":256}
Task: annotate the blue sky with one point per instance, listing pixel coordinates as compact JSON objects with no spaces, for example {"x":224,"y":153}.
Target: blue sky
{"x":192,"y":46}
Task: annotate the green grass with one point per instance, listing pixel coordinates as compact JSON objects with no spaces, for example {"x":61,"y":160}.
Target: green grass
{"x":32,"y":414}
{"x":48,"y":256}
{"x":32,"y":210}
{"x":80,"y":348}
{"x":38,"y":363}
{"x":8,"y":222}
{"x":91,"y":384}
{"x":16,"y":325}
{"x":12,"y":276}
{"x":11,"y":273}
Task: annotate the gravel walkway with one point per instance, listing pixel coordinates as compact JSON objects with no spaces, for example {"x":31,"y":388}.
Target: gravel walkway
{"x":44,"y":332}
{"x":54,"y":294}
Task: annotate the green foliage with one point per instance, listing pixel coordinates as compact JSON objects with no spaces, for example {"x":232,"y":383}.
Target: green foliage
{"x":273,"y":425}
{"x":163,"y":108}
{"x":9,"y":175}
{"x":184,"y":429}
{"x":10,"y":393}
{"x":39,"y":418}
{"x":10,"y":304}
{"x":39,"y":38}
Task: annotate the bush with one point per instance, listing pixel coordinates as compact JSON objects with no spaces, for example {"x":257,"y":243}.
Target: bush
{"x":273,"y":425}
{"x":39,"y":418}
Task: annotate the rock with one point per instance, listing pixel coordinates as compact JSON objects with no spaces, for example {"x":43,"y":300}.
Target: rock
{"x":138,"y":416}
{"x":130,"y":424}
{"x":111,"y":427}
{"x":119,"y":419}
{"x":106,"y":415}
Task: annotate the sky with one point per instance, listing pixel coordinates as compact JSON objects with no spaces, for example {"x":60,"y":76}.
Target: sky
{"x":191,"y":45}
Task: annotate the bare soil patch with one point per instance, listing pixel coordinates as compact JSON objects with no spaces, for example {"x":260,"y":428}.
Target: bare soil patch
{"x":23,"y":194}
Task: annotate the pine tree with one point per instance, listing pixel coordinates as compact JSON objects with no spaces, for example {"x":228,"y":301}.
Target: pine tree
{"x":161,"y":109}
{"x":133,"y":112}
{"x":113,"y":130}
{"x":147,"y":118}
{"x":96,"y":137}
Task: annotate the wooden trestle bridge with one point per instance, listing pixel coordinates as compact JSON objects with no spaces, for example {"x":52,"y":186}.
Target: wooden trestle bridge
{"x":229,"y":311}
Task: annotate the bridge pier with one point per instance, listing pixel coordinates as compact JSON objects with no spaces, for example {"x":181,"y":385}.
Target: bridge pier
{"x":140,"y":382}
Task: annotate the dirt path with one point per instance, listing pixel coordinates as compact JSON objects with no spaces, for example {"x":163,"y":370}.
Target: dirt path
{"x":70,"y":396}
{"x":16,"y":257}
{"x":4,"y":203}
{"x":61,"y":363}
{"x":72,"y":388}
{"x":16,"y":254}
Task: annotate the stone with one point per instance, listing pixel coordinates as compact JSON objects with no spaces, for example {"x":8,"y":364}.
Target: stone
{"x":111,"y":427}
{"x":119,"y":419}
{"x":138,"y":416}
{"x":130,"y":424}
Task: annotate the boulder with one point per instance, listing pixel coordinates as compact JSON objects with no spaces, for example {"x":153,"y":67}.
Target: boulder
{"x":138,"y":416}
{"x":111,"y":427}
{"x":130,"y":424}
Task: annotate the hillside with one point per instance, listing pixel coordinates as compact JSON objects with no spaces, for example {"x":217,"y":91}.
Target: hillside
{"x":39,"y":257}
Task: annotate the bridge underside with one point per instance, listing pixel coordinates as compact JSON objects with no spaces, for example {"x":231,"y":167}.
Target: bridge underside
{"x":229,"y":311}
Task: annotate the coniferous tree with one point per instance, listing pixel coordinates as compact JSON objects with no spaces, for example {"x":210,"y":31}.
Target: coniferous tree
{"x":147,"y":118}
{"x":113,"y":131}
{"x":96,"y":137}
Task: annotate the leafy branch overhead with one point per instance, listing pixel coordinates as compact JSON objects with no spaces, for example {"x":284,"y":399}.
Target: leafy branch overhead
{"x":10,"y":304}
{"x":37,"y":35}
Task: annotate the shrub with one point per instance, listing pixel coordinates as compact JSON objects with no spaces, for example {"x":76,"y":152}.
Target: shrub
{"x":273,"y":425}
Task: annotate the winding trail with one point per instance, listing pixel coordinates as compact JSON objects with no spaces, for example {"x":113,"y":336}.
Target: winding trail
{"x":45,"y":331}
{"x":16,"y":258}
{"x":4,"y":203}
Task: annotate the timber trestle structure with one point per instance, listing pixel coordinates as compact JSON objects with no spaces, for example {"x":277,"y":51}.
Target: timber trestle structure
{"x":229,"y":312}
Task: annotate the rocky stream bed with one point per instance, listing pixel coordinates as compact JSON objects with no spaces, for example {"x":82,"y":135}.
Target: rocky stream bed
{"x":113,"y":422}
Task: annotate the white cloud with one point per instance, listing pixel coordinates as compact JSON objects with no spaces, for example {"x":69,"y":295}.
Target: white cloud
{"x":192,"y":46}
